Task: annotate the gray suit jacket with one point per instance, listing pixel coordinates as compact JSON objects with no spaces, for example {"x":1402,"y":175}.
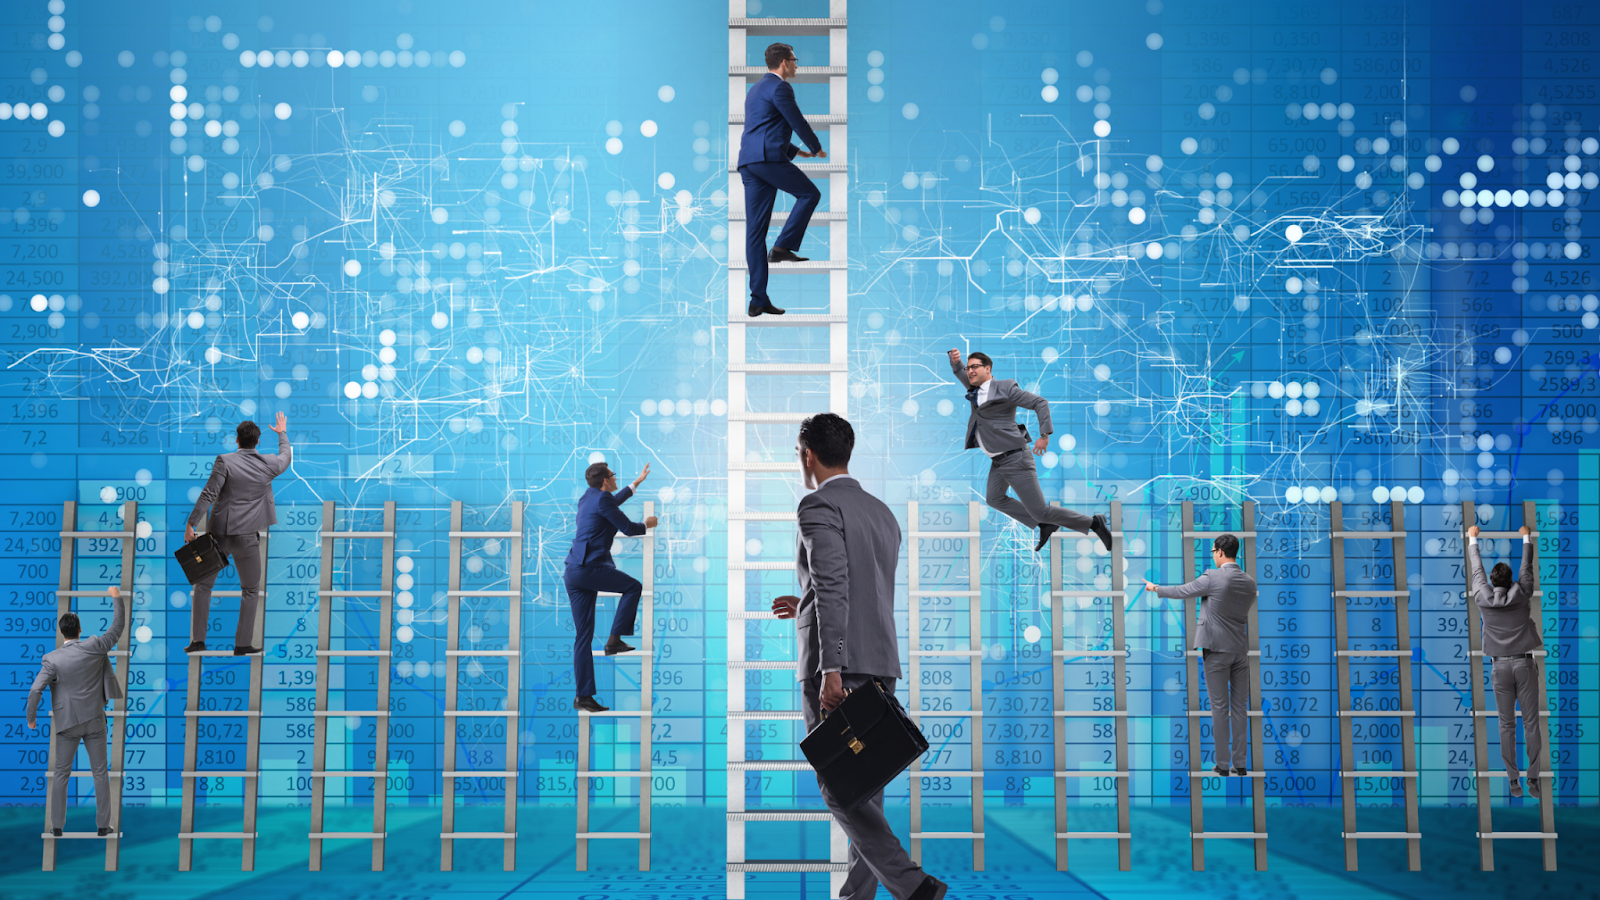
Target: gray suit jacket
{"x":1508,"y":625}
{"x":1225,"y":616}
{"x":996,"y":420}
{"x":239,"y":492}
{"x":80,"y":676}
{"x":849,"y":547}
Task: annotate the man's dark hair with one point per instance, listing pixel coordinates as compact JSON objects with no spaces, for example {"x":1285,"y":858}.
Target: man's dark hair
{"x":829,"y":438}
{"x":981,"y":357}
{"x":248,"y":434}
{"x":1228,"y":544}
{"x":777,"y":54}
{"x":597,"y":474}
{"x":70,"y":626}
{"x":1500,"y":576}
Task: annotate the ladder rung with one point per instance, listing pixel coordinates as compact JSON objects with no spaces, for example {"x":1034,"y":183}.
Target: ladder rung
{"x":1368,"y":535}
{"x":751,"y":615}
{"x":787,"y":368}
{"x":778,"y":714}
{"x":1229,"y":835}
{"x":944,"y":712}
{"x":1209,"y":773}
{"x":803,"y":75}
{"x":781,"y":815}
{"x":1378,"y":773}
{"x":486,"y":534}
{"x":771,"y":765}
{"x":613,"y":835}
{"x":216,"y":835}
{"x":483,"y":653}
{"x":343,"y":593}
{"x":1195,"y":713}
{"x":1095,"y":835}
{"x":762,"y":516}
{"x":765,"y":466}
{"x":761,"y":567}
{"x":602,"y":773}
{"x":241,"y":773}
{"x":1088,"y":713}
{"x":787,"y":865}
{"x":1372,"y":593}
{"x":946,"y":835}
{"x":480,"y":712}
{"x":263,"y":593}
{"x":206,"y":653}
{"x":812,"y":170}
{"x":355,"y":535}
{"x":1500,"y":773}
{"x":779,"y":215}
{"x":1538,"y":654}
{"x":763,"y":664}
{"x":1490,"y":712}
{"x":943,"y":773}
{"x":119,"y":535}
{"x":90,"y":774}
{"x":483,"y":593}
{"x":220,"y":712}
{"x":944,"y":534}
{"x":613,"y":713}
{"x":355,"y":653}
{"x":1217,"y":534}
{"x":1505,"y":534}
{"x":1088,"y":593}
{"x":1088,"y":653}
{"x":335,"y":713}
{"x":81,"y":836}
{"x":626,"y":653}
{"x":1065,"y":535}
{"x":86,"y":594}
{"x":487,"y":835}
{"x":1504,"y":835}
{"x":770,"y":418}
{"x":471,"y":773}
{"x":1394,"y":653}
{"x":946,"y":652}
{"x":945,"y":593}
{"x":1091,"y":773}
{"x":1382,"y":835}
{"x":338,"y":835}
{"x":1402,"y":713}
{"x":1201,"y":653}
{"x":791,"y":320}
{"x":345,"y":773}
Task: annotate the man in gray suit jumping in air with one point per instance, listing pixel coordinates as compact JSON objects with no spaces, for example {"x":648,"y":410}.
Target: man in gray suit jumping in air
{"x":992,"y":427}
{"x":844,"y":621}
{"x":1223,"y":639}
{"x":1510,"y":635}
{"x":81,"y":680}
{"x":239,"y":497}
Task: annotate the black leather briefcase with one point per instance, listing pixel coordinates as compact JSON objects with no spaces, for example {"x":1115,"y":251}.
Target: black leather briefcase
{"x":201,"y":558}
{"x":863,"y":744}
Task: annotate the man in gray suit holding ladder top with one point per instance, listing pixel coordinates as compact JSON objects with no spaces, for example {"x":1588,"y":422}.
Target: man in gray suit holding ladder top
{"x":1223,"y":639}
{"x":844,"y":620}
{"x":992,"y":427}
{"x":81,"y":680}
{"x":1510,"y":635}
{"x":239,"y":496}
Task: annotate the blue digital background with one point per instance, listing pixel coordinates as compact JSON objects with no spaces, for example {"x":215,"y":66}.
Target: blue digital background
{"x":463,"y":278}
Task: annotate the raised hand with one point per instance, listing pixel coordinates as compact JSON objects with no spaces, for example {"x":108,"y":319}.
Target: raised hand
{"x":282,"y":425}
{"x":642,"y":476}
{"x":1526,"y":531}
{"x":1473,"y":531}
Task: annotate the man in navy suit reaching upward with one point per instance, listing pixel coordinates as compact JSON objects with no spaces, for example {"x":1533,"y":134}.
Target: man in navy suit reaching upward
{"x":591,"y":570}
{"x":771,"y":118}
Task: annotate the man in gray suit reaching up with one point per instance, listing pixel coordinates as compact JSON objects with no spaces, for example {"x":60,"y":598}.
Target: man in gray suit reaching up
{"x":239,"y":496}
{"x":992,"y":427}
{"x":1223,"y":639}
{"x":844,"y":621}
{"x":81,"y":680}
{"x":1510,"y":635}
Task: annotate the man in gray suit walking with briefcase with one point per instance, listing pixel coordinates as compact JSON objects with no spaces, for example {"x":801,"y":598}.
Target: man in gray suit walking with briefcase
{"x":992,"y":427}
{"x":1223,"y":639}
{"x":1510,"y":635}
{"x":844,"y":621}
{"x":81,"y":680}
{"x":239,"y":496}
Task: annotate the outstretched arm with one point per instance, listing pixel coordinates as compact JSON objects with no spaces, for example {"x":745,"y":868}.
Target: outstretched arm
{"x":614,"y":515}
{"x":101,"y":643}
{"x":1478,"y":580}
{"x":285,"y":452}
{"x":1196,"y":588}
{"x":783,"y":99}
{"x":958,"y":366}
{"x":1528,"y":581}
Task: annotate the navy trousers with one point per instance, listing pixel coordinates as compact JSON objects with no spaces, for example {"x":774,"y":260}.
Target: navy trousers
{"x":583,"y":583}
{"x":762,"y":182}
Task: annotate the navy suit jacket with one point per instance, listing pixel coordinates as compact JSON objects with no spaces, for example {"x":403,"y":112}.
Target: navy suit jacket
{"x":599,"y":520}
{"x":771,"y":118}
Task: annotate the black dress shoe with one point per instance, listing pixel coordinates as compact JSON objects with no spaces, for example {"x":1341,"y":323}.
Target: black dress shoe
{"x":1221,"y":770}
{"x":615,"y":646}
{"x":931,"y":888}
{"x":780,"y":255}
{"x":1045,"y":530}
{"x":56,"y":832}
{"x":105,"y":830}
{"x":589,"y":704}
{"x":1098,"y":526}
{"x":768,"y":308}
{"x":195,"y":647}
{"x":246,"y":651}
{"x":1241,"y":771}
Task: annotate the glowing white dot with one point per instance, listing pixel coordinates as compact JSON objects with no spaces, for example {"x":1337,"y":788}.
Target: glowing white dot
{"x":1293,"y":494}
{"x":1102,"y":372}
{"x":1294,"y":233}
{"x":1380,"y":495}
{"x":1136,"y":215}
{"x":1102,"y":128}
{"x":1153,"y":41}
{"x":614,"y":146}
{"x":1050,"y":93}
{"x":665,"y":93}
{"x":108,"y":494}
{"x":369,"y":390}
{"x":1415,"y":495}
{"x":301,"y":320}
{"x":1031,"y":634}
{"x":404,"y":634}
{"x":352,"y":267}
{"x":1153,"y":250}
{"x":352,"y":389}
{"x":283,"y":110}
{"x":440,"y":215}
{"x":666,"y":181}
{"x":910,"y":111}
{"x":143,"y":634}
{"x":648,"y":128}
{"x":91,"y":198}
{"x":1329,"y":495}
{"x":1189,"y":145}
{"x":440,"y":319}
{"x":1031,"y":215}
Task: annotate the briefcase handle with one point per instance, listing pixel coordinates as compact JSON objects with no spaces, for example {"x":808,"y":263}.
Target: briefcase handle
{"x":854,"y":743}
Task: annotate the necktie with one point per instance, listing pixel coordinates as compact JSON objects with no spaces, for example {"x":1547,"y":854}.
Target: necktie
{"x":972,"y":395}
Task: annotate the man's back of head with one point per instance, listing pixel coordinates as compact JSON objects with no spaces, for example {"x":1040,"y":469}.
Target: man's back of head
{"x":1500,"y":576}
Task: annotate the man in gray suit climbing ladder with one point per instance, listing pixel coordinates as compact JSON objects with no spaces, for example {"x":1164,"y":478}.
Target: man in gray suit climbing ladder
{"x":844,"y":622}
{"x":239,"y":497}
{"x":992,"y":428}
{"x":1223,"y":639}
{"x":81,"y":681}
{"x":1510,"y":635}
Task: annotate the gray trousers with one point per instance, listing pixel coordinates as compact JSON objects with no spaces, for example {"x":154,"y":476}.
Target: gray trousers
{"x":244,"y":551}
{"x":93,"y":735}
{"x":1017,"y":472}
{"x":876,"y":855}
{"x":1228,"y":686}
{"x":1516,"y":680}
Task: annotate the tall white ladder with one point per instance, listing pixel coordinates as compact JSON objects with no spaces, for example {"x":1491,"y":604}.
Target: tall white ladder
{"x":1481,"y":714}
{"x":618,"y":717}
{"x":197,"y":711}
{"x":916,"y":595}
{"x":1400,"y":653}
{"x":1095,"y":653}
{"x":1197,"y":774}
{"x":327,"y":596}
{"x":509,"y":716}
{"x":741,"y":417}
{"x":116,"y":730}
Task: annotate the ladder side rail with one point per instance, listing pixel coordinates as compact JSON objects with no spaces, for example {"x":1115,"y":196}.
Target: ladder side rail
{"x":975,"y":644}
{"x":252,"y":726}
{"x":513,"y":684}
{"x":380,"y":779}
{"x":1341,"y":643}
{"x":451,"y":695}
{"x":1408,"y":734}
{"x":319,"y":725}
{"x":1119,"y":644}
{"x":1257,"y":714}
{"x":1536,"y":767}
{"x":117,"y":728}
{"x":914,"y":664}
{"x":646,"y":721}
{"x":1191,"y":622}
{"x":69,"y":524}
{"x":1058,"y":688}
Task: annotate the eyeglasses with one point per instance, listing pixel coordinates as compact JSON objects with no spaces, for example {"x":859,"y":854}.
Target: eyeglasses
{"x":971,"y":366}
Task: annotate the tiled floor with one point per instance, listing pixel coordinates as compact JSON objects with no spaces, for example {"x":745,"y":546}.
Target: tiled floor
{"x":1307,"y":860}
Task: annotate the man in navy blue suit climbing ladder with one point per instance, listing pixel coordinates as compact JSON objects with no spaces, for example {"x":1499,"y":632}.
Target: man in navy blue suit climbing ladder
{"x":771,"y":118}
